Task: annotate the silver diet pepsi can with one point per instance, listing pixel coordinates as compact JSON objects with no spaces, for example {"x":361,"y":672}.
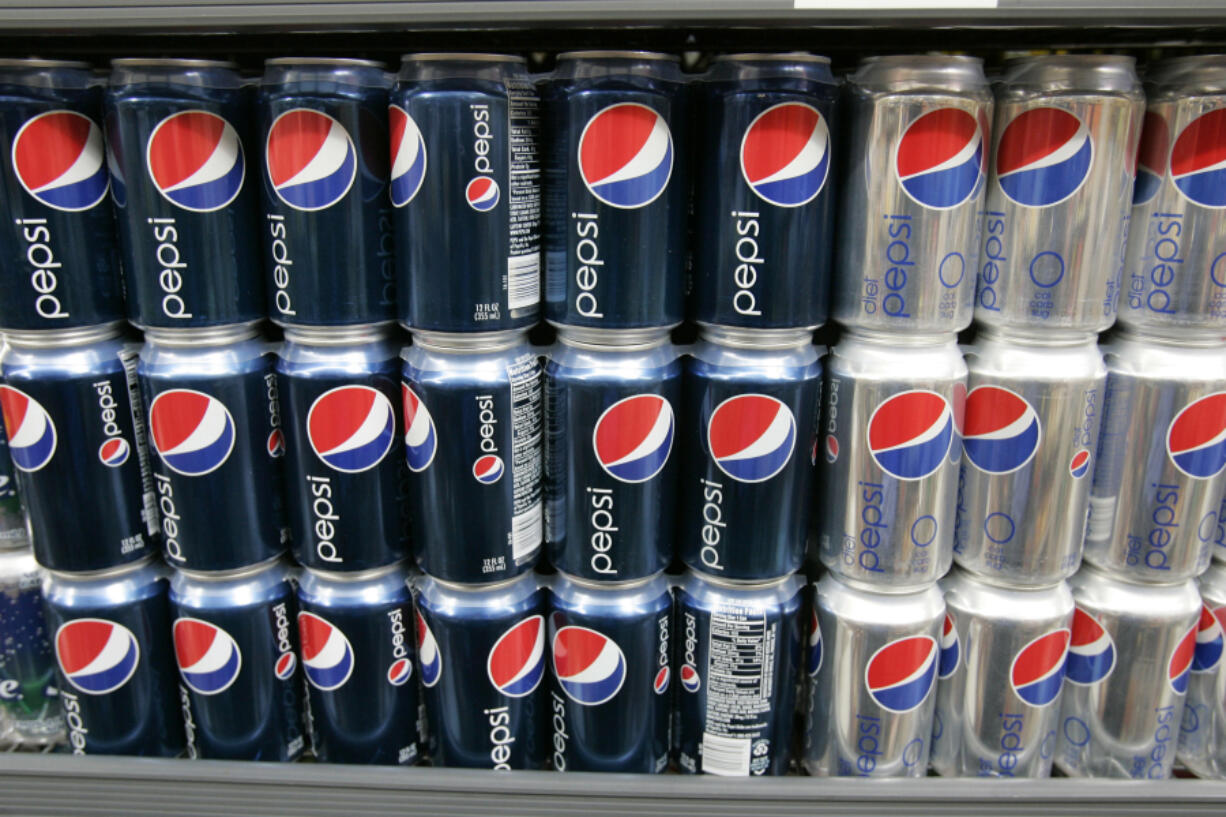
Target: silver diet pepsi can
{"x":1202,"y":733}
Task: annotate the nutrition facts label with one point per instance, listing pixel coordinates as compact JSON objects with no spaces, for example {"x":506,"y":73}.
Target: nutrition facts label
{"x":526,"y":525}
{"x":523,"y":255}
{"x":740,"y":686}
{"x":129,"y":358}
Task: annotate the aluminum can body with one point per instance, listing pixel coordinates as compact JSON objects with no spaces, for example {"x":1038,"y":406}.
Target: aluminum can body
{"x":1202,"y":742}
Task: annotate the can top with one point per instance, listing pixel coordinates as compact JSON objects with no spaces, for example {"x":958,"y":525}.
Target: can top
{"x":105,"y":573}
{"x":339,"y":62}
{"x":1097,"y":590}
{"x":339,"y":335}
{"x":203,"y":336}
{"x":182,"y":73}
{"x":1130,"y":334}
{"x":619,"y":340}
{"x":783,"y":56}
{"x":465,"y":591}
{"x":1073,"y":73}
{"x":748,"y":585}
{"x":992,"y":597}
{"x":615,"y":54}
{"x":358,"y":576}
{"x":1212,"y":584}
{"x":1036,"y":337}
{"x":462,"y":56}
{"x":58,"y":338}
{"x":1197,"y":74}
{"x":765,"y":339}
{"x":918,"y":340}
{"x":8,"y":63}
{"x":592,"y":584}
{"x":897,"y":73}
{"x":467,"y":342}
{"x":170,"y":62}
{"x":236,"y":574}
{"x":859,"y":601}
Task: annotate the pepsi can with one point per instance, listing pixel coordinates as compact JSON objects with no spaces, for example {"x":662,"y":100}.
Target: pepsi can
{"x":13,"y":528}
{"x":1030,"y":429}
{"x":76,"y":434}
{"x":617,"y":195}
{"x":610,"y":484}
{"x":475,"y":471}
{"x":737,"y":658}
{"x":1056,"y":224}
{"x":344,"y":457}
{"x":179,"y":133}
{"x":893,"y":406}
{"x":111,"y":635}
{"x":60,"y":265}
{"x":764,"y":193}
{"x":1127,"y":675}
{"x":1001,"y":672}
{"x":916,"y":163}
{"x":750,"y":408}
{"x":464,"y":134}
{"x":29,"y":701}
{"x":495,"y":719}
{"x":610,"y":700}
{"x":1202,"y":742}
{"x":215,"y":425}
{"x":1158,"y":480}
{"x":327,"y":224}
{"x":357,"y":654}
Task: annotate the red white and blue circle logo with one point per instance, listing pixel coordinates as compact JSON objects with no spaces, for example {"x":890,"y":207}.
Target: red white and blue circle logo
{"x":192,"y":432}
{"x":626,"y":155}
{"x":751,"y":437}
{"x":428,"y":653}
{"x":690,"y":679}
{"x":813,"y":657}
{"x":481,"y":193}
{"x":114,"y":452}
{"x":1151,"y":158}
{"x":96,"y":656}
{"x":208,"y":657}
{"x":1044,"y":156}
{"x":327,"y":655}
{"x":1180,"y":666}
{"x":517,"y":660}
{"x":633,"y":437}
{"x":1000,"y":430}
{"x":589,"y":666}
{"x":351,"y":428}
{"x":399,"y":672}
{"x":420,"y":440}
{"x":1037,"y":673}
{"x":1091,"y":653}
{"x":660,"y":683}
{"x":195,"y":160}
{"x":1196,"y":439}
{"x":284,"y":666}
{"x":900,"y":674}
{"x":910,"y":432}
{"x":31,"y":433}
{"x":951,"y":648}
{"x":1079,"y":465}
{"x":311,"y":159}
{"x":408,"y":156}
{"x":785,"y":154}
{"x":940,"y":158}
{"x":59,"y":159}
{"x":488,"y":469}
{"x":1208,"y":640}
{"x":276,"y":443}
{"x":832,"y":448}
{"x":1198,"y":160}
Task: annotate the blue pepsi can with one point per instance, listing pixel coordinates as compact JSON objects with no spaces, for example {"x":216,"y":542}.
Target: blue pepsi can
{"x":737,"y":660}
{"x":472,"y":419}
{"x":617,"y":190}
{"x":111,"y":635}
{"x":357,"y":653}
{"x":76,"y":434}
{"x":237,"y":652}
{"x":610,"y":482}
{"x":750,"y":409}
{"x":345,"y":469}
{"x":180,"y":140}
{"x":493,"y":719}
{"x":764,"y":191}
{"x":60,"y":264}
{"x":611,"y":700}
{"x":215,"y":425}
{"x":327,"y":224}
{"x":29,"y":700}
{"x":464,"y":133}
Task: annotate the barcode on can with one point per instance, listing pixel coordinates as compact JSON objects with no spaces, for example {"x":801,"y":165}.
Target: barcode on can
{"x":523,"y":281}
{"x":526,"y":530}
{"x":129,"y":357}
{"x":1102,"y":518}
{"x":725,"y":756}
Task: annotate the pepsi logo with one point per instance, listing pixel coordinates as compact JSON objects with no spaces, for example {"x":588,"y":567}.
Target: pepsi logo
{"x":940,"y":158}
{"x":192,"y":432}
{"x":327,"y":655}
{"x":751,"y":437}
{"x":626,"y":155}
{"x":1037,"y":673}
{"x":517,"y":659}
{"x":633,"y":437}
{"x":284,"y":666}
{"x":1079,"y":465}
{"x":481,"y":193}
{"x":114,"y":452}
{"x":1198,"y":160}
{"x":910,"y":432}
{"x":208,"y":657}
{"x":399,"y":672}
{"x":1180,"y":666}
{"x":589,"y":666}
{"x":1091,"y":653}
{"x":276,"y":443}
{"x":1044,"y":157}
{"x":58,"y":157}
{"x":813,"y":657}
{"x":785,"y":154}
{"x":832,"y":448}
{"x":1208,"y":651}
{"x":351,"y":428}
{"x":428,"y":653}
{"x":31,"y":433}
{"x":1151,"y":158}
{"x":900,"y":674}
{"x":408,"y":156}
{"x":1001,"y":430}
{"x":195,"y":160}
{"x":1196,"y":439}
{"x":660,"y":684}
{"x":420,"y":441}
{"x":488,"y":469}
{"x":951,"y":648}
{"x":690,"y":679}
{"x":311,"y":159}
{"x":96,"y":656}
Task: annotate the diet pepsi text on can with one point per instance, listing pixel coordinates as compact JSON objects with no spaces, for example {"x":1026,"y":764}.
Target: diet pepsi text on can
{"x":29,"y":699}
{"x":466,"y":188}
{"x":1202,"y":732}
{"x":179,"y":134}
{"x":616,"y":155}
{"x":912,"y":194}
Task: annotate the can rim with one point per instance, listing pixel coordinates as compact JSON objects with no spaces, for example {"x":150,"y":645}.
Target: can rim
{"x":232,"y":574}
{"x":460,"y":56}
{"x":40,"y":62}
{"x":1038,"y":337}
{"x":470,"y":342}
{"x":741,"y":584}
{"x":1182,"y":340}
{"x":338,"y":61}
{"x":917,"y":339}
{"x":103,"y":573}
{"x":625,"y":584}
{"x":59,"y":338}
{"x":628,"y":54}
{"x":773,"y":56}
{"x":929,"y":59}
{"x":607,"y":340}
{"x":743,"y":337}
{"x":170,"y":62}
{"x":481,"y":587}
{"x":355,"y":576}
{"x":339,"y":335}
{"x":202,"y":335}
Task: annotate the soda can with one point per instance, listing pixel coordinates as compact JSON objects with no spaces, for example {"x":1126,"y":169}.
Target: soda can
{"x":76,"y":433}
{"x":111,"y":635}
{"x":215,"y":425}
{"x":1127,"y":675}
{"x":465,"y":130}
{"x":60,"y":265}
{"x":14,"y":531}
{"x":610,"y":484}
{"x":893,"y":410}
{"x":1202,"y":741}
{"x":327,"y":224}
{"x":1033,"y":409}
{"x":494,"y":720}
{"x":1175,"y":272}
{"x":610,"y":698}
{"x":357,"y":654}
{"x":750,"y":407}
{"x":1001,"y":672}
{"x":871,"y":702}
{"x":916,"y":165}
{"x":764,"y":193}
{"x":1056,"y":224}
{"x":30,"y":712}
{"x":616,"y":162}
{"x":179,"y":133}
{"x":345,"y":470}
{"x":1158,"y":480}
{"x":475,"y":472}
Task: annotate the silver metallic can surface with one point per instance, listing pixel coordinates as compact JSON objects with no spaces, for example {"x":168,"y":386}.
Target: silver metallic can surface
{"x":1126,"y":676}
{"x":1202,"y":733}
{"x":915,"y":172}
{"x":871,"y":702}
{"x":1029,"y":432}
{"x":1159,"y":476}
{"x":890,"y":457}
{"x":1057,"y":214}
{"x":1002,"y":660}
